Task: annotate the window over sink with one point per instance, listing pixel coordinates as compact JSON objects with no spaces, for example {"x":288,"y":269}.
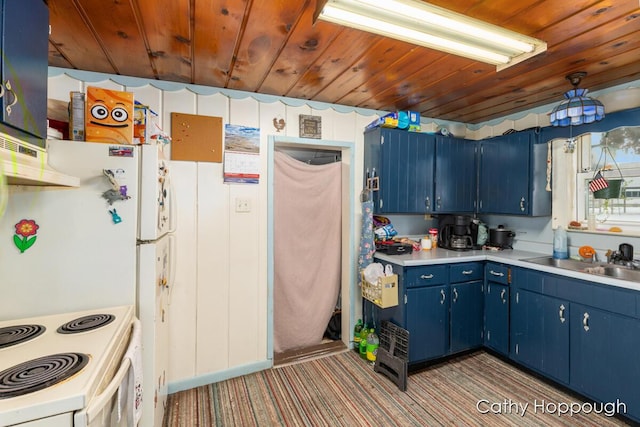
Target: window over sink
{"x":616,"y":155}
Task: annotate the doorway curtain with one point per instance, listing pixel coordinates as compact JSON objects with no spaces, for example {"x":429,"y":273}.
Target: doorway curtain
{"x":307,"y":256}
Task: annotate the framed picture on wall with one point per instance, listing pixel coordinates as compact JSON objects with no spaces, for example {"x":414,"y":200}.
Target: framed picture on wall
{"x":310,"y":126}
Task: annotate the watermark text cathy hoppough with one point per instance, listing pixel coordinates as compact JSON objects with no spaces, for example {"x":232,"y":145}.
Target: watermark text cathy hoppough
{"x":508,"y":406}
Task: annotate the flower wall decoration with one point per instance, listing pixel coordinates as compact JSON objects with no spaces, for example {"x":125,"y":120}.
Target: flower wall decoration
{"x":25,"y":235}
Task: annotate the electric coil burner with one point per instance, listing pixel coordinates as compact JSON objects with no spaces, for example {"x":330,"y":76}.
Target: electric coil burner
{"x":12,"y":335}
{"x":86,"y":323}
{"x":36,"y":374}
{"x":53,"y":367}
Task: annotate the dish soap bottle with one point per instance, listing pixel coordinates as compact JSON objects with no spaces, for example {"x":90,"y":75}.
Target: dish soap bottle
{"x":560,"y":243}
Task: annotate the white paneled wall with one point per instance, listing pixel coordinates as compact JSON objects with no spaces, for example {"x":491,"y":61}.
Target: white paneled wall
{"x":218,"y":312}
{"x":184,"y":293}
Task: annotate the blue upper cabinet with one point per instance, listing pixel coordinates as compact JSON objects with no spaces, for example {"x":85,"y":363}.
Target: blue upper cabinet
{"x":456,"y":175}
{"x":513,"y":176}
{"x":25,"y":32}
{"x":404,"y":165}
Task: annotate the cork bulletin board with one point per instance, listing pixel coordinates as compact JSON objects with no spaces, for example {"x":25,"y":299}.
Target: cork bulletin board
{"x":196,"y":138}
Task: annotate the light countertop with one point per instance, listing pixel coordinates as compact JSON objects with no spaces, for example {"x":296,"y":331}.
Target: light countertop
{"x":507,"y":256}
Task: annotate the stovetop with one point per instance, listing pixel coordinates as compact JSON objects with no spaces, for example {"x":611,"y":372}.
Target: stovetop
{"x":54,"y":364}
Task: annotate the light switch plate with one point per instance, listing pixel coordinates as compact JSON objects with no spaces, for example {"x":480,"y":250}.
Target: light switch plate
{"x":243,"y":205}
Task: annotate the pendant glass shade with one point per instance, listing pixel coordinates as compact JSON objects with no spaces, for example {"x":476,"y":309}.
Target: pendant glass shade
{"x":577,"y":108}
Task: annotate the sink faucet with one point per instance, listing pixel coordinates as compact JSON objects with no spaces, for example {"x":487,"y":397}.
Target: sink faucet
{"x":593,"y":258}
{"x":615,"y":257}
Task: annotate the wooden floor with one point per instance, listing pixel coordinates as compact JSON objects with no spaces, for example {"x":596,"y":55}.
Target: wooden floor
{"x":308,"y":353}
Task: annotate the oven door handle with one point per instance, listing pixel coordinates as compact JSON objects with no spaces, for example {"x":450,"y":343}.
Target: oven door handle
{"x":84,"y":417}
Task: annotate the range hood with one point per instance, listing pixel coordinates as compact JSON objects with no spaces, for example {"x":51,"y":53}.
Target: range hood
{"x":26,"y":164}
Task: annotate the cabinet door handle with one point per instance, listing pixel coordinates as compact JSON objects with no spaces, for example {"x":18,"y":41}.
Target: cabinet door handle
{"x":467,"y":272}
{"x":15,"y":97}
{"x":504,"y":291}
{"x":455,"y":295}
{"x":426,"y":276}
{"x":427,"y":203}
{"x":585,"y":321}
{"x":561,"y":313}
{"x":443,"y":295}
{"x":522,"y":204}
{"x":493,"y":273}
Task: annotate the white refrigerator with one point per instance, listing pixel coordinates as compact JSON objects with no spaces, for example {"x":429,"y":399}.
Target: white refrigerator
{"x":107,"y":243}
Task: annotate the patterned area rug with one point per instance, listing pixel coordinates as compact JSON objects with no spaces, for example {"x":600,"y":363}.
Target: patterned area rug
{"x":477,"y":389}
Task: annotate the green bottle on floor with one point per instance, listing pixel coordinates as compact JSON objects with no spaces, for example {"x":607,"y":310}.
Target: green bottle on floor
{"x":363,"y":341}
{"x":356,"y":333}
{"x":372,"y":345}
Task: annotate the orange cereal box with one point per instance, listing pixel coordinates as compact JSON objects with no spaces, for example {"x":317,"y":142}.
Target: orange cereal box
{"x":109,"y":116}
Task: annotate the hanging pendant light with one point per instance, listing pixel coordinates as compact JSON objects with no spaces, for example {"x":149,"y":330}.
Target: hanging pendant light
{"x":577,"y":108}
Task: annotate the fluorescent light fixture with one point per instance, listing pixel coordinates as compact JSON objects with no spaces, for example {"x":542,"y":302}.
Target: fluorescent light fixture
{"x":431,"y":26}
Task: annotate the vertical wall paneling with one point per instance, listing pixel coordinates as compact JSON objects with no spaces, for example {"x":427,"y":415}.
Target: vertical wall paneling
{"x":106,"y":84}
{"x":179,"y":101}
{"x":528,"y":121}
{"x":184,"y":293}
{"x":244,"y":283}
{"x":213,"y":278}
{"x":343,"y":127}
{"x":216,"y":105}
{"x":327,"y":118}
{"x":358,"y":168}
{"x":244,"y":280}
{"x":244,"y":112}
{"x":564,"y":167}
{"x":60,"y":86}
{"x":268,"y":111}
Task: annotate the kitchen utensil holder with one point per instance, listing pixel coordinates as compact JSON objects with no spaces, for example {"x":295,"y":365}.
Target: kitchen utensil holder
{"x":383,"y":293}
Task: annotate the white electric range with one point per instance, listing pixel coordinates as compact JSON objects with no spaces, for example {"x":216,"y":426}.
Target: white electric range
{"x":52,"y":366}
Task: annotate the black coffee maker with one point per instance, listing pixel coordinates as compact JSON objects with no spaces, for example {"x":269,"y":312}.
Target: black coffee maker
{"x":455,"y":232}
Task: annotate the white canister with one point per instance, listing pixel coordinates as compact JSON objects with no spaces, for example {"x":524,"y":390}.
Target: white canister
{"x":425,"y":243}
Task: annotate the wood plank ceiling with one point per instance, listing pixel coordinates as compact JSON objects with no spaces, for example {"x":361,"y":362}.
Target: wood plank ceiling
{"x":273,"y":47}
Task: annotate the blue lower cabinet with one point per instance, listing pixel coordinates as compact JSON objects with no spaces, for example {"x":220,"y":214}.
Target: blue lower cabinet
{"x":467,"y":305}
{"x":427,"y":311}
{"x":540,"y":333}
{"x":604,"y":357}
{"x":496,"y":317}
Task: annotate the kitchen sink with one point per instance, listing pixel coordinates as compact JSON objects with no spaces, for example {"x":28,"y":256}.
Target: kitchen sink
{"x":569,"y":264}
{"x":596,"y":268}
{"x":620,"y":272}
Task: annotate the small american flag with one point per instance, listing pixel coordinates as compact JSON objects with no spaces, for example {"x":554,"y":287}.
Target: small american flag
{"x":598,"y":183}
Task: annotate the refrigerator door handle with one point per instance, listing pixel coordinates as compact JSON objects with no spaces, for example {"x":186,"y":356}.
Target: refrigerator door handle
{"x":173,"y":257}
{"x":173,"y":207}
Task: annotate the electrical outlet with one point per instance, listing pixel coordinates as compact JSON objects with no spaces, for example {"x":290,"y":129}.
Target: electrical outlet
{"x":243,"y":205}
